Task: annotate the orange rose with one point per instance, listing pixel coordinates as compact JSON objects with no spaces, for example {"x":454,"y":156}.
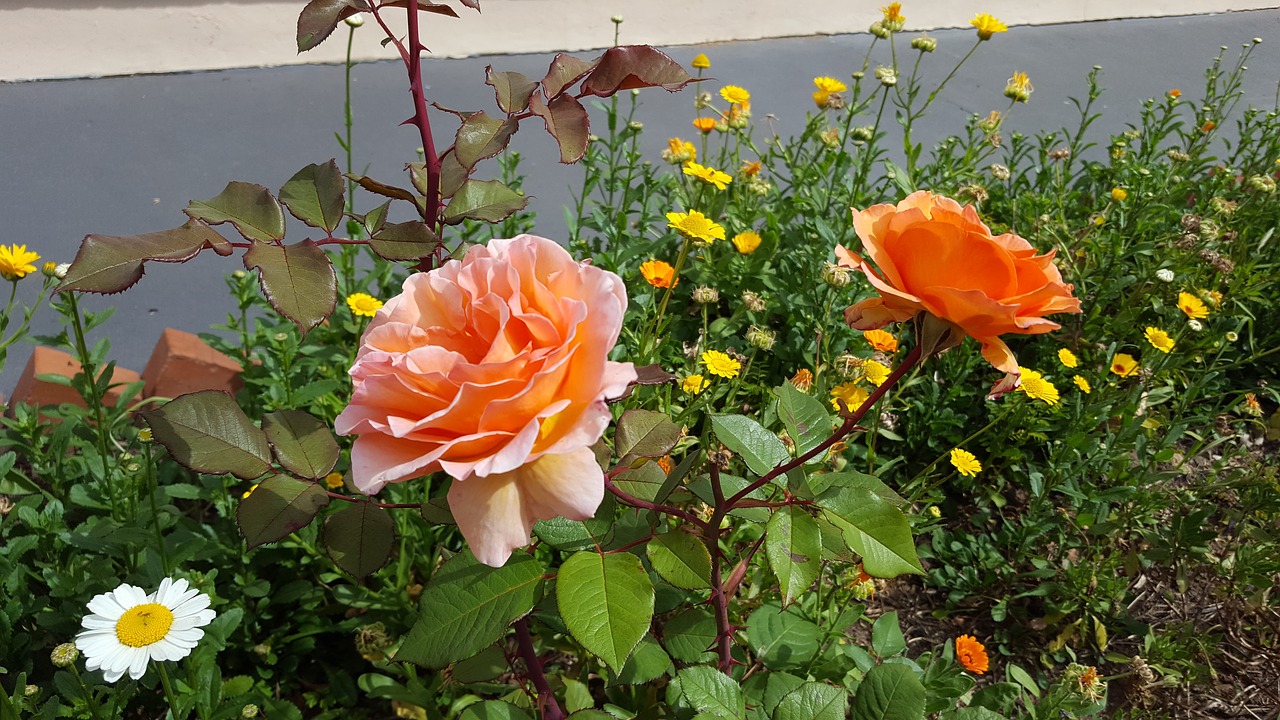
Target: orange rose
{"x":494,"y":370}
{"x":933,"y":256}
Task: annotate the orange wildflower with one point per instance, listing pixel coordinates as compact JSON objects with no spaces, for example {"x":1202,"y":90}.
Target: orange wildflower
{"x":802,"y":380}
{"x":750,"y":169}
{"x":705,"y":124}
{"x":881,"y":340}
{"x":1208,"y":126}
{"x":659,"y":274}
{"x":971,"y":654}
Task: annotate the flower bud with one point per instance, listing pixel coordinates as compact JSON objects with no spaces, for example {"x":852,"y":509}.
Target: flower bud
{"x":830,"y":137}
{"x":836,"y":276}
{"x":863,"y":133}
{"x":704,"y":295}
{"x":635,"y":125}
{"x":249,"y":711}
{"x":924,"y":43}
{"x":355,"y":21}
{"x":879,"y":30}
{"x":1195,"y":325}
{"x":616,"y":19}
{"x":31,"y":691}
{"x":887,"y":76}
{"x":935,"y":512}
{"x":1165,"y":275}
{"x":761,"y":338}
{"x":1262,"y":183}
{"x":701,"y":61}
{"x":1177,"y":155}
{"x":999,"y":172}
{"x":64,"y":655}
{"x":753,"y":301}
{"x":1231,"y":337}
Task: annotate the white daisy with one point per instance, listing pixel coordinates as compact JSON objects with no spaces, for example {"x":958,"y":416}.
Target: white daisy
{"x":129,"y":628}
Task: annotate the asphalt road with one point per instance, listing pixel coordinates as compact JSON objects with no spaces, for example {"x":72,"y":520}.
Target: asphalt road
{"x":124,"y":155}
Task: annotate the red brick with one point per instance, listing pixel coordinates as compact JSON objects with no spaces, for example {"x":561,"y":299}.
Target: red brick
{"x":48,"y":361}
{"x":183,"y":363}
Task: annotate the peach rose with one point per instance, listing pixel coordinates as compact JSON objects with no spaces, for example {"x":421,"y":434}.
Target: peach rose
{"x":495,"y":370}
{"x":936,"y":257}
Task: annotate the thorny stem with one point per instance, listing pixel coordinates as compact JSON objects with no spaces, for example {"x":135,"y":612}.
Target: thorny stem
{"x":646,"y":505}
{"x":850,"y":422}
{"x":423,"y":123}
{"x":719,"y":600}
{"x":549,"y":708}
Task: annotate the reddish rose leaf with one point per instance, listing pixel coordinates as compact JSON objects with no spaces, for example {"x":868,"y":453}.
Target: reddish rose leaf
{"x":404,"y":241}
{"x":565,"y":70}
{"x":314,"y":195}
{"x":318,"y":19}
{"x":634,"y":66}
{"x":250,"y":208}
{"x":487,"y":200}
{"x":653,"y":375}
{"x":113,"y":263}
{"x":298,"y":280}
{"x":481,"y":137}
{"x":512,"y":89}
{"x":567,"y":122}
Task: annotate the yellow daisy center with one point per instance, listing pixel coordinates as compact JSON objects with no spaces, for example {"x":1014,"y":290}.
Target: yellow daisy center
{"x":144,"y":625}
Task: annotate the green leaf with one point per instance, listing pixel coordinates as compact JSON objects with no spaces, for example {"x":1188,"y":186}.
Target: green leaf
{"x":452,"y":175}
{"x":783,"y":639}
{"x":606,"y":602}
{"x":760,"y":449}
{"x":319,"y":18}
{"x":208,"y":432}
{"x":777,"y":685}
{"x":480,"y":137}
{"x":972,"y":713}
{"x":564,"y":71}
{"x":467,"y":606}
{"x":577,"y":696}
{"x":713,"y":692}
{"x":511,"y":89}
{"x":113,"y":263}
{"x":647,"y":663}
{"x":681,"y":559}
{"x":314,"y":195}
{"x":567,"y":121}
{"x":874,"y":528}
{"x":359,"y":538}
{"x":485,"y":665}
{"x":298,"y":280}
{"x":806,"y":420}
{"x":688,"y":634}
{"x":635,"y":66}
{"x":487,"y":200}
{"x":250,"y":208}
{"x":562,"y":533}
{"x":889,"y":692}
{"x":794,"y":547}
{"x":813,"y":701}
{"x":886,"y":635}
{"x":645,"y":433}
{"x":899,"y":177}
{"x":278,"y":506}
{"x":404,"y":241}
{"x":644,"y":482}
{"x":236,"y":686}
{"x":301,"y":443}
{"x":493,"y":710}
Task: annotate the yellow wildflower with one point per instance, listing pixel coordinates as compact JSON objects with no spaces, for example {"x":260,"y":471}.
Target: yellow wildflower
{"x":987,"y":26}
{"x":363,"y":304}
{"x":893,"y":18}
{"x":679,"y":151}
{"x":1119,"y":194}
{"x":694,"y":384}
{"x":874,"y":372}
{"x":1034,"y":385}
{"x":720,"y":364}
{"x":704,"y":124}
{"x":1067,"y":358}
{"x":965,"y":463}
{"x":1124,"y":365}
{"x":1019,"y":87}
{"x":708,"y":175}
{"x":701,"y":61}
{"x":695,"y":226}
{"x":735,"y":95}
{"x":1082,"y":384}
{"x":1159,"y":339}
{"x":746,"y":242}
{"x":852,"y":395}
{"x":16,"y":261}
{"x":1193,"y":306}
{"x":333,"y":480}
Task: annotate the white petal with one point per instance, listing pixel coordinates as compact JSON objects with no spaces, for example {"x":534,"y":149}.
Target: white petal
{"x":112,"y":675}
{"x":191,"y":636}
{"x":105,"y":605}
{"x":98,"y":622}
{"x":128,"y":596}
{"x":138,"y":665}
{"x":166,"y":649}
{"x":190,"y":605}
